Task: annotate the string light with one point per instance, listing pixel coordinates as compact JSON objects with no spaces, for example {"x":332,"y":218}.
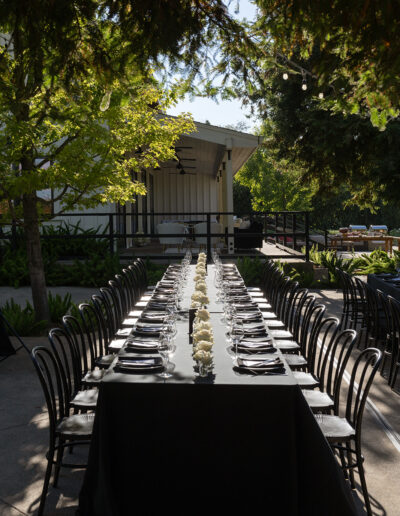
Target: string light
{"x":285,"y":76}
{"x":304,"y":82}
{"x":320,"y":95}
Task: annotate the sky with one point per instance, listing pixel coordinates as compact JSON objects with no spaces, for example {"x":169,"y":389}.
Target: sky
{"x":224,"y":112}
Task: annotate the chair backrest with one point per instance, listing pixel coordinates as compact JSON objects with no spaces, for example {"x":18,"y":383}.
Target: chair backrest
{"x":364,"y":369}
{"x":215,"y":227}
{"x":325,"y":333}
{"x":81,"y":343}
{"x":302,"y":309}
{"x":131,"y":288}
{"x":54,"y":388}
{"x":118,"y":296}
{"x":111,"y":309}
{"x":297,"y":299}
{"x":68,"y":359}
{"x":374,"y":320}
{"x":94,"y":325}
{"x":335,"y":351}
{"x":171,"y":228}
{"x":291,"y":289}
{"x":311,"y":319}
{"x":136,"y":280}
{"x":394,"y":307}
{"x":351,"y":300}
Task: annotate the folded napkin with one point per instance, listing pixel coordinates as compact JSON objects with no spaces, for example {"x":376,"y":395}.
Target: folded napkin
{"x":267,"y":363}
{"x":245,"y":317}
{"x":149,"y":333}
{"x":157,"y":305}
{"x":141,"y":346}
{"x":149,"y":326}
{"x":139,"y":364}
{"x":249,"y":344}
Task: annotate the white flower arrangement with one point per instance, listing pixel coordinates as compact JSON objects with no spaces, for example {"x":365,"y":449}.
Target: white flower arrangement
{"x":202,"y":325}
{"x":200,"y":297}
{"x":205,"y":357}
{"x":203,"y":345}
{"x":203,"y":314}
{"x":203,"y":335}
{"x":201,"y":286}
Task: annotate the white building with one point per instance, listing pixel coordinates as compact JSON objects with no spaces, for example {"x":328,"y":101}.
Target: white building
{"x":200,"y":182}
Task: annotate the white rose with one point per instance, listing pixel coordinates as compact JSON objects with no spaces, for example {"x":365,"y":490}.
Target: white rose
{"x":200,"y":297}
{"x":203,"y":356}
{"x":203,"y":314}
{"x":203,"y":335}
{"x":204,"y":345}
{"x":202,"y":325}
{"x":202,"y":286}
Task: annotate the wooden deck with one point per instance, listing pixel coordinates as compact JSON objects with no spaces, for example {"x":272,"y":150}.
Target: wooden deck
{"x":155,"y":251}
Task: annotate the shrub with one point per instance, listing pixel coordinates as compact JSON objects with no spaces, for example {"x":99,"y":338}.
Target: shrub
{"x":378,"y":261}
{"x":250,"y":270}
{"x":332,"y":261}
{"x":59,"y":306}
{"x":23,"y":320}
{"x":66,"y":247}
{"x":154,"y":271}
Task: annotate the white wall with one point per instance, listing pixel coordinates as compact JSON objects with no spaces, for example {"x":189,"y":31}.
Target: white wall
{"x":94,"y":221}
{"x":187,"y":193}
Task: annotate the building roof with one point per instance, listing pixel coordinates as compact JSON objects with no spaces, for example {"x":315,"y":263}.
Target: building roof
{"x":207,"y":147}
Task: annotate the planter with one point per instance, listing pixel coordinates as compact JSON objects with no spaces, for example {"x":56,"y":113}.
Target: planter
{"x":321,"y":273}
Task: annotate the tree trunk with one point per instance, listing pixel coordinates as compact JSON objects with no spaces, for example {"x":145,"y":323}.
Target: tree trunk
{"x":35,"y":259}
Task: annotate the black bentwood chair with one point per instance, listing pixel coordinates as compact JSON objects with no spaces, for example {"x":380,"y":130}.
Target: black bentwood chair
{"x":344,"y":434}
{"x":353,"y":305}
{"x":65,"y":429}
{"x":80,"y":399}
{"x":330,"y":366}
{"x":394,"y":306}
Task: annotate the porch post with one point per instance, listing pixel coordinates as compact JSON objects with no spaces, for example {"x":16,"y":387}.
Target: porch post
{"x":229,"y":194}
{"x":140,"y":205}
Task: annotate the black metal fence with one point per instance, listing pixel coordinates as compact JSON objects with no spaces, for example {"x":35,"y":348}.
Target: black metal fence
{"x":287,"y":229}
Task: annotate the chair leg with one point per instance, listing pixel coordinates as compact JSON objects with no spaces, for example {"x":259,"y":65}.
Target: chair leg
{"x":50,"y":458}
{"x":351,"y":470}
{"x":60,"y":453}
{"x":363,"y":483}
{"x":343,"y":463}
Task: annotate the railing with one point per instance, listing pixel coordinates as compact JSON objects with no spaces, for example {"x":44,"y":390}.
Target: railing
{"x":286,"y":228}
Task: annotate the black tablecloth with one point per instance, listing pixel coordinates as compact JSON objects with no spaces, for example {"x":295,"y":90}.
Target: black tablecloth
{"x":385,"y":283}
{"x":229,"y":444}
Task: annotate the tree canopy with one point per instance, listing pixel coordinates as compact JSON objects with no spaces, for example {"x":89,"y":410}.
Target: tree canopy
{"x":355,"y":46}
{"x":331,"y":149}
{"x":275,"y":184}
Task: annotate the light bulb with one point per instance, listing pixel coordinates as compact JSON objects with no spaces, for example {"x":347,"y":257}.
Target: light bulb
{"x":285,"y":76}
{"x":304,"y":86}
{"x":320,"y":95}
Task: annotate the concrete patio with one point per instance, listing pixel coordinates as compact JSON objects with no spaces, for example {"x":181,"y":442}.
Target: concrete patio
{"x":24,"y":439}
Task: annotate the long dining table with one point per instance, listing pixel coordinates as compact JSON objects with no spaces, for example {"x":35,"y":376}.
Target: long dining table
{"x":229,"y":443}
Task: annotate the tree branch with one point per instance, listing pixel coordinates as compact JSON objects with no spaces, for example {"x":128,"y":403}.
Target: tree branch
{"x":57,"y":151}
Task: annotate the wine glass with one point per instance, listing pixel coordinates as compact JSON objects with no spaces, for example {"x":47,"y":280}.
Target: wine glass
{"x":237,"y":334}
{"x":164,"y":350}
